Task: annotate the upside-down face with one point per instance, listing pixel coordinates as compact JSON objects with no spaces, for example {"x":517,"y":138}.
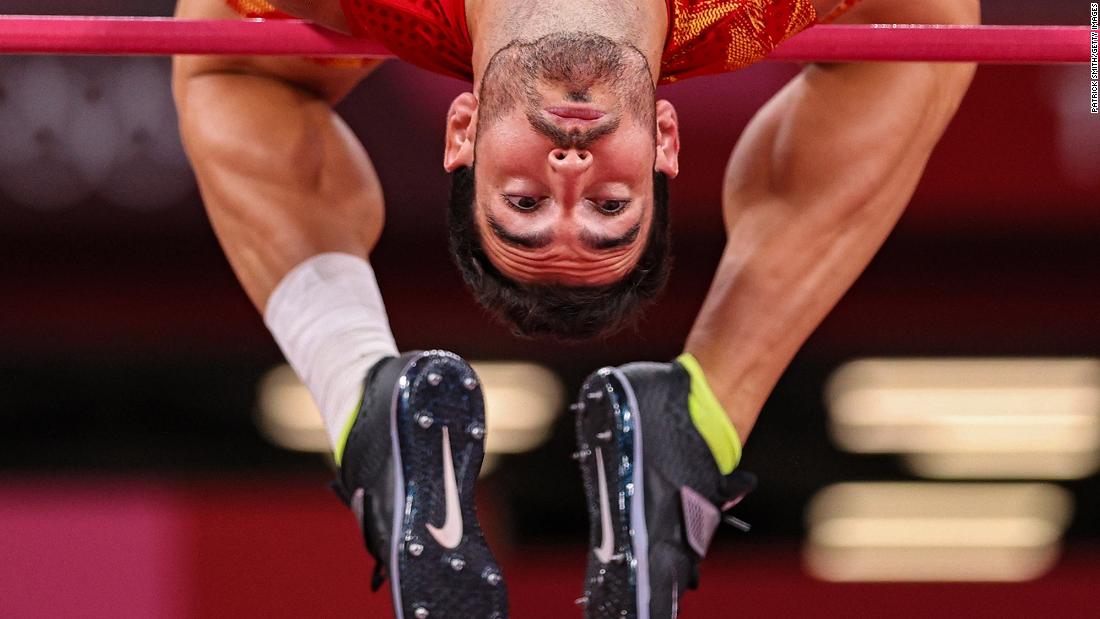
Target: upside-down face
{"x":566,"y":136}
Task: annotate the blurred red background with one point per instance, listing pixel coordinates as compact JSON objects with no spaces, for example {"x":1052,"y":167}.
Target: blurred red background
{"x":133,"y":481}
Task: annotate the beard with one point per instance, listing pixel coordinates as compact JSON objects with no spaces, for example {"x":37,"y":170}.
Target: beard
{"x":578,"y":64}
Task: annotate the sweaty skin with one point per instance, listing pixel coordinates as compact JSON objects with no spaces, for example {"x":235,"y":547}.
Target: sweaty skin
{"x":817,"y":181}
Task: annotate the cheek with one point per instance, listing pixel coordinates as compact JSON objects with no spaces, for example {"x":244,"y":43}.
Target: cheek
{"x":506,"y":134}
{"x":631,"y":156}
{"x":507,"y":154}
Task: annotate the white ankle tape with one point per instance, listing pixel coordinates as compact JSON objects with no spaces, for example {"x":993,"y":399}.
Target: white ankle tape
{"x":328,"y":318}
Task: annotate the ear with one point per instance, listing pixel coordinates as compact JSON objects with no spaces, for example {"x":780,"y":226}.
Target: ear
{"x":668,"y":140}
{"x":458,"y":150}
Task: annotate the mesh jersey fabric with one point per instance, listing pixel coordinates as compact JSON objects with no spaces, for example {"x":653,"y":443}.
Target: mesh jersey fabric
{"x":704,"y":36}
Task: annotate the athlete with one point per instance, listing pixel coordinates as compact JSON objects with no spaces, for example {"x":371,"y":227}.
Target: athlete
{"x":559,"y":223}
{"x":815,"y":184}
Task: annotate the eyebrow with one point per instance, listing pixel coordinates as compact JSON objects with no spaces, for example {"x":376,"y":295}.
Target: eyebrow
{"x":534,"y":240}
{"x":538,"y":240}
{"x":595,"y":241}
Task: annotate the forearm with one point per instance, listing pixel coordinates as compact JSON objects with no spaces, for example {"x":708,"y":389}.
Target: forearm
{"x":281,"y":176}
{"x":774,"y":284}
{"x":815,"y":185}
{"x":297,"y":209}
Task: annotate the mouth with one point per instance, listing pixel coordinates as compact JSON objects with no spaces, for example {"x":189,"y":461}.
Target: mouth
{"x":573,"y":113}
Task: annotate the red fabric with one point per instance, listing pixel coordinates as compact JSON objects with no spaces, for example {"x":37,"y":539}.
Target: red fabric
{"x":717,"y":36}
{"x":256,"y":8}
{"x":262,"y":9}
{"x":430,"y":34}
{"x":704,"y":37}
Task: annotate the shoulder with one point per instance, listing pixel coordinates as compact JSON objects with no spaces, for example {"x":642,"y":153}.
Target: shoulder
{"x":707,"y":37}
{"x":430,"y":34}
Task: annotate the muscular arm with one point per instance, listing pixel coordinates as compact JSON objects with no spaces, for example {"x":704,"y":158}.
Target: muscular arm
{"x":281,"y":175}
{"x":815,"y":184}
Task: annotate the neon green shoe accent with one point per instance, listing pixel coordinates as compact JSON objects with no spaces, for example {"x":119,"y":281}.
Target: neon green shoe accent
{"x":710,"y":418}
{"x":338,"y":453}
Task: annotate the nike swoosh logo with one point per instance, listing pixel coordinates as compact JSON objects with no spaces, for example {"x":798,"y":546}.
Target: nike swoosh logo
{"x":606,"y":549}
{"x":450,"y":534}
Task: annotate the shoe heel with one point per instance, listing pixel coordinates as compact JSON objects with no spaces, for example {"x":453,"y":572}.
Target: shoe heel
{"x":447,"y":567}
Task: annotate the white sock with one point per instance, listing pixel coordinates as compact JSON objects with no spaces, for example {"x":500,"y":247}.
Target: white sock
{"x":328,"y":318}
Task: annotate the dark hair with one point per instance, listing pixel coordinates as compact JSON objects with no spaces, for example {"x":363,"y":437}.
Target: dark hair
{"x":564,"y":312}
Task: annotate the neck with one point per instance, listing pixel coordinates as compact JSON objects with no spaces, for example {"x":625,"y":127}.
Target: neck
{"x":494,"y":24}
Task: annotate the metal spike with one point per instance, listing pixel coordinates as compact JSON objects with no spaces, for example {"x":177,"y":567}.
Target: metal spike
{"x":582,"y":454}
{"x":434,"y":378}
{"x":420,"y":612}
{"x":492,"y":577}
{"x":415,"y":548}
{"x":581,"y":601}
{"x":477,"y":432}
{"x":737,"y":522}
{"x":576,"y":407}
{"x":595,"y":396}
{"x":424,"y":420}
{"x":470,"y":383}
{"x":604,"y":436}
{"x":457,"y":564}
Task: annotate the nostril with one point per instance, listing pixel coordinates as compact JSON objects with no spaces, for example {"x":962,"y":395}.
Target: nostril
{"x":560,"y":156}
{"x":582,"y":156}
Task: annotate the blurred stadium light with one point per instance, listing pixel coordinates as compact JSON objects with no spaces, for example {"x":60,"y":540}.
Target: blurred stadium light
{"x":76,"y":126}
{"x":972,"y":418}
{"x":521,"y":402}
{"x":286,"y":413}
{"x":935,"y":531}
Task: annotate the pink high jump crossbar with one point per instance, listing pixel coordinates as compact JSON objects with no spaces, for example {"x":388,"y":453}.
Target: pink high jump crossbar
{"x":154,"y":36}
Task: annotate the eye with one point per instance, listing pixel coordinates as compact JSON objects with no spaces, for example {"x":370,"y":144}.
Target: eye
{"x":612,"y":207}
{"x":523,"y":203}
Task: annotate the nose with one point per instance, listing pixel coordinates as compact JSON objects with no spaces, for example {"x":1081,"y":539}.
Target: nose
{"x":570,"y":161}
